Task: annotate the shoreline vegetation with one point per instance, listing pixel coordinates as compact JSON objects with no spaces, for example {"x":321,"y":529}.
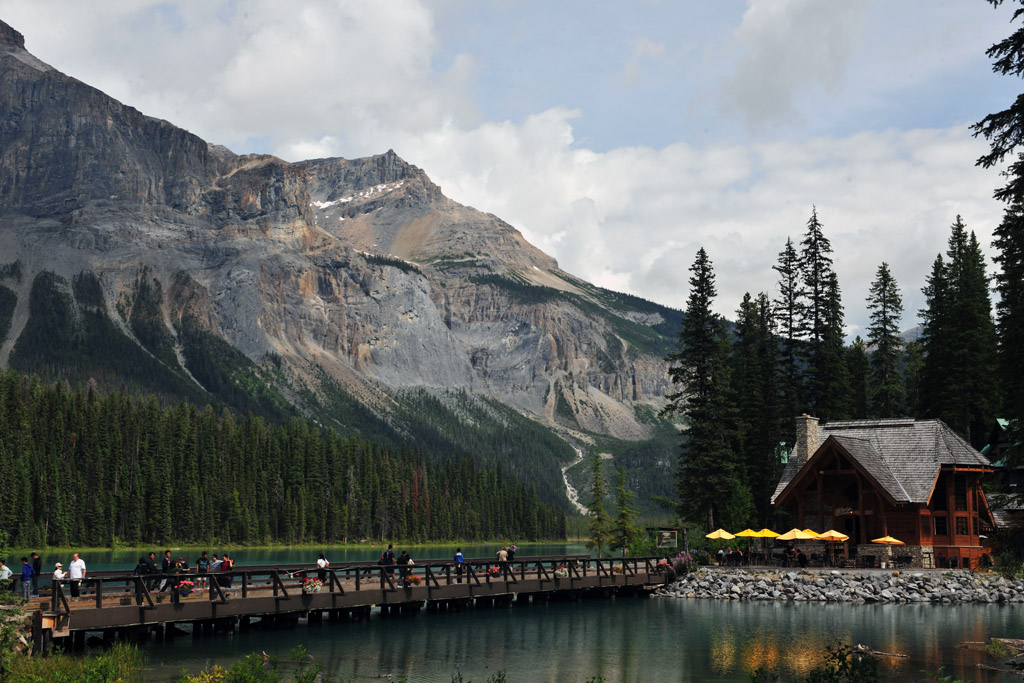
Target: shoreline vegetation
{"x":152,"y":475}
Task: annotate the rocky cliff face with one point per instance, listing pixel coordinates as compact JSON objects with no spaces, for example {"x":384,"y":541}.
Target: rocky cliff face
{"x":360,"y":271}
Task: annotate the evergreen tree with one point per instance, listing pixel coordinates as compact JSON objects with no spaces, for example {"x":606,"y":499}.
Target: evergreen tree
{"x":913,"y":366}
{"x":935,"y":344}
{"x":788,"y":314}
{"x":958,"y":381}
{"x":830,"y":375}
{"x":1004,"y":130}
{"x":1009,"y":241}
{"x":709,"y":481}
{"x":888,"y":396}
{"x":178,"y":474}
{"x":624,"y":529}
{"x":821,"y":324}
{"x":599,"y":525}
{"x":815,"y":269}
{"x":859,"y":368}
{"x":756,"y":398}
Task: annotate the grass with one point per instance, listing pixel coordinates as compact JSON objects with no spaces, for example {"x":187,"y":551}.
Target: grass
{"x":123,"y":664}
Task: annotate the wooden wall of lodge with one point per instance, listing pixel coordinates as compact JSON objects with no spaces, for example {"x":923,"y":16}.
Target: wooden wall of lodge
{"x":914,"y":524}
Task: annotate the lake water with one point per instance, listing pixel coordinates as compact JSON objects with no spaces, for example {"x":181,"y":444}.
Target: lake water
{"x":621,"y":640}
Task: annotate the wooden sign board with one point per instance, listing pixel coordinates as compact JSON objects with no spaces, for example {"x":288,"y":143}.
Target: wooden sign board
{"x":668,"y":539}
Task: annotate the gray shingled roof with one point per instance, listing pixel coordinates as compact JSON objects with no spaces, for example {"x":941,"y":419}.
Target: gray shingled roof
{"x":864,"y":452}
{"x":903,"y":455}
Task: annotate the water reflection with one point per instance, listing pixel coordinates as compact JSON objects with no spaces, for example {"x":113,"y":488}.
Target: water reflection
{"x":623,"y":641}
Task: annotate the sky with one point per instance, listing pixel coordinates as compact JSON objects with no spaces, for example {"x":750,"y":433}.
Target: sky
{"x":619,"y":137}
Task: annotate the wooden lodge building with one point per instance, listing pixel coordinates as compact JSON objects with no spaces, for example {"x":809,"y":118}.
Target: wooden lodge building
{"x":915,"y":480}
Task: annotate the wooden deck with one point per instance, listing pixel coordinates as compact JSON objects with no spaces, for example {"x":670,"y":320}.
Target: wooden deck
{"x":130,"y":606}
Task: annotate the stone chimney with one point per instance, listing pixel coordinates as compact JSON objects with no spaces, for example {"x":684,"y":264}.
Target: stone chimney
{"x":806,"y":438}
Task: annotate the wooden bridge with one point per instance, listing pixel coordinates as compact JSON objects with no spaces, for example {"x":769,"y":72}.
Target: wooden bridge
{"x":125,"y":606}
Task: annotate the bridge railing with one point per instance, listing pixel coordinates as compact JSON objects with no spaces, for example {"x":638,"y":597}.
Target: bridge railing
{"x":286,"y":581}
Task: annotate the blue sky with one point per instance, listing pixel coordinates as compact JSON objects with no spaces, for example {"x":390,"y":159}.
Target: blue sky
{"x":617,"y":136}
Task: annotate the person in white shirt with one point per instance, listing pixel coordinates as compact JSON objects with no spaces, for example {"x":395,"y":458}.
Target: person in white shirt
{"x":76,"y":574}
{"x":5,"y":571}
{"x":58,"y":572}
{"x":323,"y":564}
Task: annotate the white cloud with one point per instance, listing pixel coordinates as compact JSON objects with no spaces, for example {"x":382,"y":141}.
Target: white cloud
{"x":643,"y":51}
{"x":788,"y":46}
{"x":633,"y":218}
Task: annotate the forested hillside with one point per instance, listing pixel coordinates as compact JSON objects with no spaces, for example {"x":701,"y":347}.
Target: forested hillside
{"x":92,"y":468}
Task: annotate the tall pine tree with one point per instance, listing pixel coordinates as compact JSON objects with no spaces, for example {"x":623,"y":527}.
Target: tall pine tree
{"x":958,"y":375}
{"x":859,"y":368}
{"x":1005,"y":132}
{"x":788,"y":313}
{"x":935,"y":343}
{"x":888,"y":394}
{"x":821,"y":324}
{"x":1010,"y":317}
{"x":600,"y":532}
{"x":756,"y":398}
{"x":624,"y":529}
{"x":709,"y":482}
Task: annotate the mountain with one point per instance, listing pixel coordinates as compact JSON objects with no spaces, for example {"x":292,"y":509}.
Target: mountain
{"x":133,"y":253}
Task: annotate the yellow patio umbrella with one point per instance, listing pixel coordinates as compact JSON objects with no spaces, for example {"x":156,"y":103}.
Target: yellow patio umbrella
{"x":797,"y":535}
{"x":765,"y":533}
{"x":747,"y":533}
{"x":832,"y":536}
{"x":720,"y":534}
{"x":888,"y":540}
{"x":812,"y":532}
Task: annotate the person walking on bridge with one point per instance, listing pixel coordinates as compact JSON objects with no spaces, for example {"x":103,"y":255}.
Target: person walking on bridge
{"x":166,"y":567}
{"x":322,"y":565}
{"x":76,"y":572}
{"x":151,"y":569}
{"x":458,"y":565}
{"x":202,"y":566}
{"x":26,"y":579}
{"x":388,"y":560}
{"x":37,"y":569}
{"x":503,"y":560}
{"x":403,"y":565}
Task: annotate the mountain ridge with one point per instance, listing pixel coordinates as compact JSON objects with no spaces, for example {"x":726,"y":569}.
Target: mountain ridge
{"x":304,"y":287}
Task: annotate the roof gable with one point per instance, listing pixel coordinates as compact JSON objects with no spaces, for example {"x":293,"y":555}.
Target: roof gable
{"x":863,"y":456}
{"x":902,"y":456}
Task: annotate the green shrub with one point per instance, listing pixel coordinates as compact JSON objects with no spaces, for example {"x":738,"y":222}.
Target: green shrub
{"x":123,"y":664}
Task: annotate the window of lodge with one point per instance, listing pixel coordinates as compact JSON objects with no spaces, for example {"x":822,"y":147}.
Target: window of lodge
{"x":961,"y":526}
{"x":941,"y":526}
{"x":960,"y":493}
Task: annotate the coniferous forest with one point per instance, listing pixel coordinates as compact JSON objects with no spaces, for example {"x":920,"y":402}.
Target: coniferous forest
{"x":741,"y":385}
{"x":82,"y":467}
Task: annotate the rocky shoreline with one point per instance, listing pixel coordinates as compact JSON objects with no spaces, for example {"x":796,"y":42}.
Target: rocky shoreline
{"x":850,"y":586}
